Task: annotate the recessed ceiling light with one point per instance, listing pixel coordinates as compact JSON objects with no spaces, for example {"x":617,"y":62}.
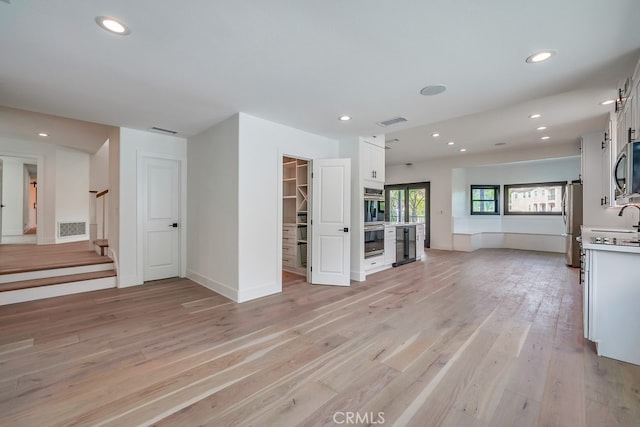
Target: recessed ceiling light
{"x":540,"y":56}
{"x":499,"y":144}
{"x":113,"y":25}
{"x":541,"y":128}
{"x":608,"y":102}
{"x":344,"y":118}
{"x":535,"y":116}
{"x":463,"y":150}
{"x":435,"y":135}
{"x":432,"y":90}
{"x":43,"y":134}
{"x":545,"y":138}
{"x":450,"y":143}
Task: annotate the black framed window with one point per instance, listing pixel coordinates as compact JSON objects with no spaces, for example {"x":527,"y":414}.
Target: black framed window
{"x":409,"y":203}
{"x":543,"y":198}
{"x":485,"y":200}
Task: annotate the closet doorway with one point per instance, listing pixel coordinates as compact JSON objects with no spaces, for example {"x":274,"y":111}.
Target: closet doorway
{"x":295,"y":215}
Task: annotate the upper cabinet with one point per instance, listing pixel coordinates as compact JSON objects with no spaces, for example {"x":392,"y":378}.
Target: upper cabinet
{"x":372,"y":158}
{"x":628,"y":110}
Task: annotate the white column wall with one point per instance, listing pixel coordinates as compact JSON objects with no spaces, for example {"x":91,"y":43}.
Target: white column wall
{"x":212,"y":244}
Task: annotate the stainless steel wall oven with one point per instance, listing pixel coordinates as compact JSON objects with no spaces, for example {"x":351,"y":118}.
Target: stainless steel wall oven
{"x":373,"y":240}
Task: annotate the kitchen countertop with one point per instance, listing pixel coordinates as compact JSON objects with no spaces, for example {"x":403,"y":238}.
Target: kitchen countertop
{"x":622,"y":238}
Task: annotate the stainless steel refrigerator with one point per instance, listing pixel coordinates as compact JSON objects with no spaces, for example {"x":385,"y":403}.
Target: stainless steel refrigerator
{"x":572,"y":218}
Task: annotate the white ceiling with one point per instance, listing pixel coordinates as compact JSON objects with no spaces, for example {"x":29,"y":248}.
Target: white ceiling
{"x":189,"y":65}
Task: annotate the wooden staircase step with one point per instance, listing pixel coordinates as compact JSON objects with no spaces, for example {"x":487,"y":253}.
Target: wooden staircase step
{"x":55,"y":280}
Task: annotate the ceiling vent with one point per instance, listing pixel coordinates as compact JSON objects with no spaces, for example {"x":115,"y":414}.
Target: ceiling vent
{"x":390,"y":122}
{"x":157,"y":129}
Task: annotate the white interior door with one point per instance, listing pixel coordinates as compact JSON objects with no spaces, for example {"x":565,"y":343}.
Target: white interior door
{"x":331,"y":228}
{"x":161,"y":218}
{"x":1,"y":205}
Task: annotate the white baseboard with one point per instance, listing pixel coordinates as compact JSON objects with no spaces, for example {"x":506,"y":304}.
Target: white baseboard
{"x":231,"y":293}
{"x":258,"y":292}
{"x":31,"y":294}
{"x":358,"y":276}
{"x":215,"y":286}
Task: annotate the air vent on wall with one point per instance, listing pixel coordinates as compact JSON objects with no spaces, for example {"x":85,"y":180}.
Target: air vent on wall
{"x":71,"y":229}
{"x":157,"y":129}
{"x":390,"y":122}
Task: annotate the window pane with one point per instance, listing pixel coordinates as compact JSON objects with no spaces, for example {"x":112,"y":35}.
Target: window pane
{"x":396,"y":205}
{"x":416,"y":205}
{"x":485,"y":207}
{"x":534,"y":199}
{"x":484,"y":199}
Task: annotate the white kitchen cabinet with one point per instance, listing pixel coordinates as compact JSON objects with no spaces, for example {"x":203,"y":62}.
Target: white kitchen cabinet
{"x":389,"y":245}
{"x":372,"y":169}
{"x":611,"y":293}
{"x":596,"y":166}
{"x":419,"y":241}
{"x":607,"y":183}
{"x":375,"y":264}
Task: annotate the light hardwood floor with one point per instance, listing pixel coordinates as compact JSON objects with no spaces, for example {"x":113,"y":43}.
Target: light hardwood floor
{"x":492,"y":337}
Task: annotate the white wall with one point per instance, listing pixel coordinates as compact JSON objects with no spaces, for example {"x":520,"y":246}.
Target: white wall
{"x":439,"y":173}
{"x":132,"y":144}
{"x":212,"y":242}
{"x":72,"y":189}
{"x":241,"y":257}
{"x":99,"y":169}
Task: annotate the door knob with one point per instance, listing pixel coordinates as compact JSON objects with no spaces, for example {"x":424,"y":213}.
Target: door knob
{"x":174,"y":225}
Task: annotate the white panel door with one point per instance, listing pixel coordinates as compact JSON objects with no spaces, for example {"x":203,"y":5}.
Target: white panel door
{"x":1,"y":205}
{"x":161,"y":218}
{"x":330,"y":248}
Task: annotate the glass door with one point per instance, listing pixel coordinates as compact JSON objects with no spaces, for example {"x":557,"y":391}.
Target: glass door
{"x":409,"y":203}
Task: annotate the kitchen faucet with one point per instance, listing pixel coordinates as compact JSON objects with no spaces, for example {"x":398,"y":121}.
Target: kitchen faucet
{"x":628,"y":206}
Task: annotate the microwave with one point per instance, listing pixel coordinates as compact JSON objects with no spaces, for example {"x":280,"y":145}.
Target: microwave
{"x":626,"y":173}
